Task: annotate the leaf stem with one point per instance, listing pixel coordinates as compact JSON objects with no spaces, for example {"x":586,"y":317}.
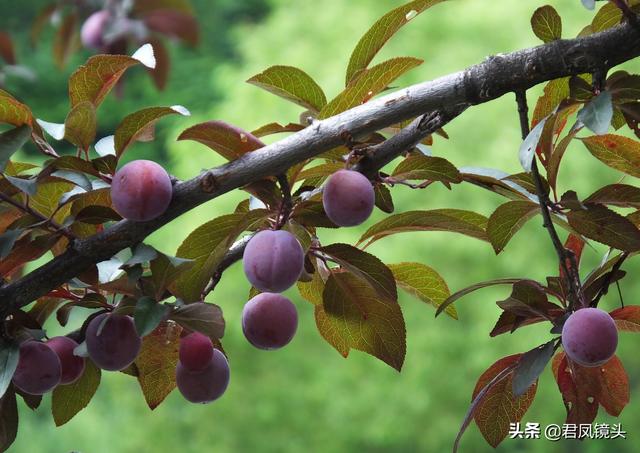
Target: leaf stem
{"x":45,"y":221}
{"x":568,"y":262}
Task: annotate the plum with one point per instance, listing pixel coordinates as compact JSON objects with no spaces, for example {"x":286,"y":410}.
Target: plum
{"x":38,"y":370}
{"x":92,"y":31}
{"x":141,"y":190}
{"x":112,"y":341}
{"x":273,"y":260}
{"x":72,"y":365}
{"x":590,"y":337}
{"x":348,"y":198}
{"x":196,"y":351}
{"x":269,"y":321}
{"x":206,"y":385}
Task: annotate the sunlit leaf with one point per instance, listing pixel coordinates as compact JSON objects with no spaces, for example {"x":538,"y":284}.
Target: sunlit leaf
{"x":80,"y":125}
{"x":616,"y":151}
{"x":505,"y":222}
{"x":555,"y":91}
{"x":381,"y":32}
{"x":418,"y":167}
{"x":292,"y":84}
{"x":627,"y":318}
{"x":546,"y":23}
{"x":353,"y":316}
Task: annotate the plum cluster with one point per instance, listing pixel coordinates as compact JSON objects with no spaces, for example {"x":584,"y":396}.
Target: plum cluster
{"x":44,"y":366}
{"x":590,"y":337}
{"x":202,"y":373}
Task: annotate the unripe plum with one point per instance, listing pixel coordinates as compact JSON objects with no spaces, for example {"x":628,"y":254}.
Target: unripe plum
{"x":590,"y":337}
{"x":116,"y":346}
{"x":72,"y":365}
{"x":273,"y":260}
{"x":141,"y":190}
{"x":93,"y":29}
{"x":206,"y":385}
{"x":196,"y":351}
{"x":348,"y":198}
{"x":269,"y":321}
{"x":38,"y":368}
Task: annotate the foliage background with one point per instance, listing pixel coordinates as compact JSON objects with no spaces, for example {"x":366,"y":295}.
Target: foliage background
{"x":306,"y":397}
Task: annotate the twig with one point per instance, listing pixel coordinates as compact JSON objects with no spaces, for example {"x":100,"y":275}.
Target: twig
{"x":567,"y":259}
{"x":45,"y":221}
{"x":233,"y":254}
{"x":287,"y":205}
{"x":604,"y":289}
{"x":627,"y":12}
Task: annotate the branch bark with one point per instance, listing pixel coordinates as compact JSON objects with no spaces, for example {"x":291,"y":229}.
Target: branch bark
{"x":494,"y":77}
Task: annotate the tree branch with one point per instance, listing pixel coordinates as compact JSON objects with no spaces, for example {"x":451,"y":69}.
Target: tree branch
{"x":481,"y":83}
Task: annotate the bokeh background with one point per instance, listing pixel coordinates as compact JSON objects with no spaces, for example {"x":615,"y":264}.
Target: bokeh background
{"x":306,"y":397}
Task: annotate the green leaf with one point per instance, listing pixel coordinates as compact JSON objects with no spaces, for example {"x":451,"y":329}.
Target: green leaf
{"x":292,"y":84}
{"x":616,"y":151}
{"x":11,"y":141}
{"x":137,"y":125}
{"x":381,"y":32}
{"x":418,"y":167}
{"x":94,"y":80}
{"x":156,"y":363}
{"x":597,"y":113}
{"x":206,"y":245}
{"x":424,"y":283}
{"x":229,"y":141}
{"x":320,"y":171}
{"x":469,"y":289}
{"x":141,"y":254}
{"x":530,"y":367}
{"x":68,"y":400}
{"x":453,"y":220}
{"x":607,"y":17}
{"x":312,"y":290}
{"x":364,"y":266}
{"x":546,"y":23}
{"x":367,"y":84}
{"x":80,"y":125}
{"x":201,"y":317}
{"x":276,"y":128}
{"x":606,"y":226}
{"x":9,"y":354}
{"x":148,"y":315}
{"x":353,"y":316}
{"x":505,"y":222}
{"x":8,"y":419}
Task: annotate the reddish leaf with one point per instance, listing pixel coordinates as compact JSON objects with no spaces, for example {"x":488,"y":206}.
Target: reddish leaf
{"x":528,"y":300}
{"x":627,"y":318}
{"x":364,"y":266}
{"x":353,"y":316}
{"x":554,"y":93}
{"x":500,"y":407}
{"x":136,"y":125}
{"x":622,"y":195}
{"x":463,"y":292}
{"x":156,"y":363}
{"x":230,"y":141}
{"x":14,"y":112}
{"x":616,"y":151}
{"x":43,"y":17}
{"x":606,"y":226}
{"x":576,"y":245}
{"x":93,"y":81}
{"x":8,"y":419}
{"x":66,"y":41}
{"x":6,"y":48}
{"x":201,"y":317}
{"x":292,"y":84}
{"x":160,"y":73}
{"x":142,"y":7}
{"x":174,"y":23}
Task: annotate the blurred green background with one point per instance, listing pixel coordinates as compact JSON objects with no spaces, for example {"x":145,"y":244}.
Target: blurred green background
{"x":306,"y":397}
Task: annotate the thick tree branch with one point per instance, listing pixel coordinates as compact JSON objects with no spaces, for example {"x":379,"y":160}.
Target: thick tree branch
{"x":494,"y":77}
